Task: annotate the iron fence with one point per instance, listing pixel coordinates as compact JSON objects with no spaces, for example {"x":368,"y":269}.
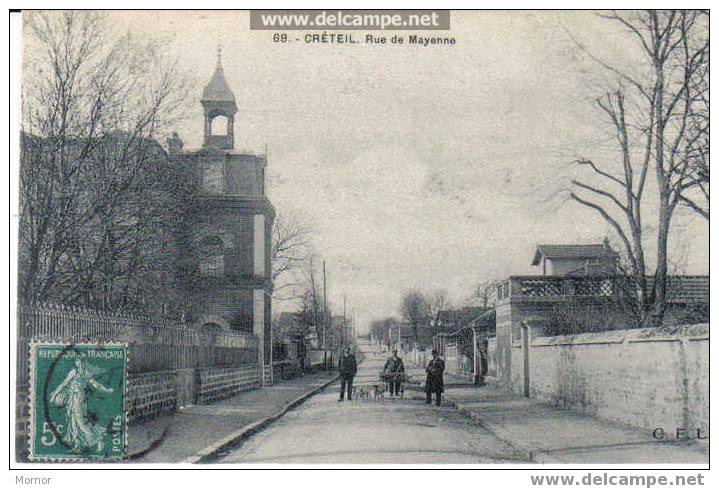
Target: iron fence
{"x":154,"y":345}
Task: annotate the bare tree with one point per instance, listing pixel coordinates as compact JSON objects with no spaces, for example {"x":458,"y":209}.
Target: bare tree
{"x":656,"y":118}
{"x":381,"y":329}
{"x":93,"y":180}
{"x":483,"y":292}
{"x":695,"y":194}
{"x":414,"y":309}
{"x":435,"y":302}
{"x":290,"y":254}
{"x":313,"y":309}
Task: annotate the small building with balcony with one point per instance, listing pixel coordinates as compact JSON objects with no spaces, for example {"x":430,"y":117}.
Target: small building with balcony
{"x":581,"y":283}
{"x":576,"y":259}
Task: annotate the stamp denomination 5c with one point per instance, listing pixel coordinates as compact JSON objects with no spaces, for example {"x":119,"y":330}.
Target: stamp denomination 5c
{"x":78,"y":401}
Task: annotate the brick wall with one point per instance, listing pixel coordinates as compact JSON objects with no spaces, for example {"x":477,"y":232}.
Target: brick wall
{"x":22,"y":413}
{"x":640,"y":377}
{"x":233,"y":306}
{"x":269,"y":375}
{"x":214,"y":384}
{"x":244,"y":174}
{"x":151,"y":395}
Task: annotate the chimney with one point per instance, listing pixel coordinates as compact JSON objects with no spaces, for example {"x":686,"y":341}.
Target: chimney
{"x":607,"y":248}
{"x":174,"y":144}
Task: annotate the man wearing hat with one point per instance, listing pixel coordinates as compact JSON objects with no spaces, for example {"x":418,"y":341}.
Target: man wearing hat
{"x":348,"y":370}
{"x":435,"y":380}
{"x":393,"y":372}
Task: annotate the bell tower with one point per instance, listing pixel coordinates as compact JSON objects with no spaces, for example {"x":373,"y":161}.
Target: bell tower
{"x":226,"y":266}
{"x":219,"y":101}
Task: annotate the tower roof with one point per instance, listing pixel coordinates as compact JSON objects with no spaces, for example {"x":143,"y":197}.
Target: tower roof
{"x":217,"y":89}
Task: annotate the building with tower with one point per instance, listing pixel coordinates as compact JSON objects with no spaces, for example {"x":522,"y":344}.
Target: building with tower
{"x":226,"y":272}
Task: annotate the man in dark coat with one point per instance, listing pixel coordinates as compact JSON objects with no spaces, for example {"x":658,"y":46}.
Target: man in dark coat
{"x":348,"y":370}
{"x":394,"y":371}
{"x":435,"y":380}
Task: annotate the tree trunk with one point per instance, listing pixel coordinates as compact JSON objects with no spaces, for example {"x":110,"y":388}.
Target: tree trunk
{"x":660,"y":278}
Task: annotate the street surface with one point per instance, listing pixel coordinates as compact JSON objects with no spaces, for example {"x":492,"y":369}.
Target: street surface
{"x":406,"y":430}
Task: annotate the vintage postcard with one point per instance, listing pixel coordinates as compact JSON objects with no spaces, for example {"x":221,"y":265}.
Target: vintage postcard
{"x":362,"y":237}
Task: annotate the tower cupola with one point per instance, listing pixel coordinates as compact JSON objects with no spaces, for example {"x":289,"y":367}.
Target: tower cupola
{"x":219,"y":101}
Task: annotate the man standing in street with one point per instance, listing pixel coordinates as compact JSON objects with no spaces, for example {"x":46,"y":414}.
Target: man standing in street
{"x":348,"y":369}
{"x":435,"y":378}
{"x":393,"y":372}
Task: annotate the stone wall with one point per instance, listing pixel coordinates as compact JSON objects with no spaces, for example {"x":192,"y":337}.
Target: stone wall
{"x":592,"y":302}
{"x":641,"y":377}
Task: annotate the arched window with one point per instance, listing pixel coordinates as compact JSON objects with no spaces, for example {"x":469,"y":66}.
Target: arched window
{"x":219,"y":125}
{"x":212,"y":256}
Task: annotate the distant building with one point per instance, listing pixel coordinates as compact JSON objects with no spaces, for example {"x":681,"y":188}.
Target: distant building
{"x":576,"y":259}
{"x":449,"y":321}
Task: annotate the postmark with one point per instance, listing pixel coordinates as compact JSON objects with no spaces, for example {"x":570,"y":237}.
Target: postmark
{"x":77,"y":398}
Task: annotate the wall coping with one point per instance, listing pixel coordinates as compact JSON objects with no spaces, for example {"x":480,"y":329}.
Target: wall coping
{"x":692,"y":332}
{"x":235,"y":368}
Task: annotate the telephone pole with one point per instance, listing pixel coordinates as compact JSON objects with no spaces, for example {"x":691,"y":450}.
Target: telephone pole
{"x":399,"y":334}
{"x":324,"y":318}
{"x":344,"y":320}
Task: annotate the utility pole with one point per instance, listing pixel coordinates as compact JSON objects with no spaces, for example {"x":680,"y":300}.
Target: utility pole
{"x":344,"y":320}
{"x":474,"y":355}
{"x":324,"y":316}
{"x":272,"y":347}
{"x":399,"y":335}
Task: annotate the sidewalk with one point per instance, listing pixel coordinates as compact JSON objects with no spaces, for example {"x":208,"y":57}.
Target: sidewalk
{"x":196,"y":432}
{"x":549,"y":435}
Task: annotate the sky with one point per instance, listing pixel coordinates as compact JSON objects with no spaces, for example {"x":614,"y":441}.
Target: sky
{"x":418,"y":167}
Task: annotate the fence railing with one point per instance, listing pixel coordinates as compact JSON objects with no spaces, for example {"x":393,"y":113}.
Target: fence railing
{"x":154,"y":345}
{"x":680,"y":288}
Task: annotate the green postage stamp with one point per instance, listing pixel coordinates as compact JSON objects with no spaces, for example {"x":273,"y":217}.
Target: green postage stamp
{"x":78,"y":401}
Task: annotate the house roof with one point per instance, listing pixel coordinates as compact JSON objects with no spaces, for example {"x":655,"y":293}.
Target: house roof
{"x":572,"y":251}
{"x":455,"y":319}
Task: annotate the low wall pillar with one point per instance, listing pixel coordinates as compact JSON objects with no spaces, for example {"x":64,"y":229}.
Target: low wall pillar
{"x":525,"y":355}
